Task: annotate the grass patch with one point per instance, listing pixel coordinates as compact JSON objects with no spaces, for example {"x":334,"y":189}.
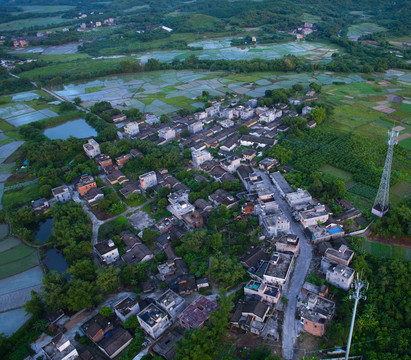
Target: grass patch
{"x":94,"y":89}
{"x":336,"y":172}
{"x":402,"y":189}
{"x":406,"y":143}
{"x":361,"y":203}
{"x":16,"y":198}
{"x":363,"y":190}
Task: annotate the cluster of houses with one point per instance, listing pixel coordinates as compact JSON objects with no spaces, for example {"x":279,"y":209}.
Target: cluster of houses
{"x":163,"y":319}
{"x":217,"y":126}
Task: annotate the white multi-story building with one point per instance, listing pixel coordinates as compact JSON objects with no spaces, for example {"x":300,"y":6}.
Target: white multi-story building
{"x":340,"y":276}
{"x":279,"y":269}
{"x":195,"y":127}
{"x":179,"y":204}
{"x":200,"y":156}
{"x":246,"y":113}
{"x":227,"y":113}
{"x":274,"y":224}
{"x":62,"y":194}
{"x":148,"y":180}
{"x":131,"y":128}
{"x":60,"y":348}
{"x":200,"y":115}
{"x":107,"y":251}
{"x":154,"y":321}
{"x":313,"y":216}
{"x":167,"y":133}
{"x":270,"y":115}
{"x":213,"y":110}
{"x":92,"y":148}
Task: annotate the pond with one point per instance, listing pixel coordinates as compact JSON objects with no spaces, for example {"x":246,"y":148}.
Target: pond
{"x":55,"y":261}
{"x":76,"y":128}
{"x":44,"y":231}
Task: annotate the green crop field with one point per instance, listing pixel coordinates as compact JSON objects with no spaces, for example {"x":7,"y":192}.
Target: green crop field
{"x":385,"y":250}
{"x":16,"y":198}
{"x":402,"y":189}
{"x":355,"y":31}
{"x":19,"y":24}
{"x":17,"y":259}
{"x":336,"y":172}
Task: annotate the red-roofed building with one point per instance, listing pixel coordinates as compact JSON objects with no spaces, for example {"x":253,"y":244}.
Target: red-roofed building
{"x":197,"y":313}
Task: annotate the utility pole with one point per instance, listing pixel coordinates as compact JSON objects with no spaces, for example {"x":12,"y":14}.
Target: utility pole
{"x":357,"y":295}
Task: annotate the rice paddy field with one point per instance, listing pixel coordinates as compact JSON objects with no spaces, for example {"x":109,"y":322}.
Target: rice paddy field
{"x":19,"y":274}
{"x":220,"y":49}
{"x":358,"y":30}
{"x":165,"y":92}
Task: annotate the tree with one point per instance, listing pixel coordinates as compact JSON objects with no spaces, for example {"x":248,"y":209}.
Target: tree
{"x":83,"y":270}
{"x":105,"y":311}
{"x":131,"y":323}
{"x":81,"y":294}
{"x":35,"y":306}
{"x":54,"y":288}
{"x":318,"y":114}
{"x":225,"y":270}
{"x":108,"y":279}
{"x":164,"y":118}
{"x":243,"y":130}
{"x":162,"y":204}
{"x":316,"y":87}
{"x":77,"y":100}
{"x":45,"y":191}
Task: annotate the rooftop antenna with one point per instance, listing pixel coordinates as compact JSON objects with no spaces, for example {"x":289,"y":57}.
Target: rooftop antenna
{"x":381,"y":204}
{"x":357,"y":285}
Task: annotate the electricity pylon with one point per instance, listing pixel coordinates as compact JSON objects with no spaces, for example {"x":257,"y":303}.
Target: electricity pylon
{"x":357,"y":296}
{"x":380,"y":206}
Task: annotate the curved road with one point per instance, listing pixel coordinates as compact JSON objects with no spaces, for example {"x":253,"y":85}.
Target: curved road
{"x":295,"y":283}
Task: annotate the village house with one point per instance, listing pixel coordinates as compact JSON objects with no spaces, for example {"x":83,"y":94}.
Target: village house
{"x":60,"y":348}
{"x":116,"y":177}
{"x":249,"y":154}
{"x":62,"y":194}
{"x":299,"y":197}
{"x":255,"y":141}
{"x":179,"y":204}
{"x":315,"y":313}
{"x":129,"y":188}
{"x":262,"y":291}
{"x":311,"y":124}
{"x":119,"y":118}
{"x":172,"y":303}
{"x":131,"y":128}
{"x":278,"y":269}
{"x":93,"y":196}
{"x":154,"y":321}
{"x":148,"y":180}
{"x":268,"y":163}
{"x":253,"y":257}
{"x":92,"y":148}
{"x":250,"y":316}
{"x":115,"y":342}
{"x":313,"y":216}
{"x":84,"y":184}
{"x":341,"y":256}
{"x":199,"y":157}
{"x":126,"y":308}
{"x":165,"y":346}
{"x":97,"y":327}
{"x":340,"y":276}
{"x":121,"y":160}
{"x":193,"y":220}
{"x":281,"y":184}
{"x":103,"y":161}
{"x":222,"y":197}
{"x":288,"y":243}
{"x":274,"y":224}
{"x":197,"y":313}
{"x":138,"y":254}
{"x":195,"y":127}
{"x":231,"y":163}
{"x":248,"y":208}
{"x":167,"y":133}
{"x":107,"y":251}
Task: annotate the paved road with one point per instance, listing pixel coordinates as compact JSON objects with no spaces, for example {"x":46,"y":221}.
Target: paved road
{"x":301,"y":266}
